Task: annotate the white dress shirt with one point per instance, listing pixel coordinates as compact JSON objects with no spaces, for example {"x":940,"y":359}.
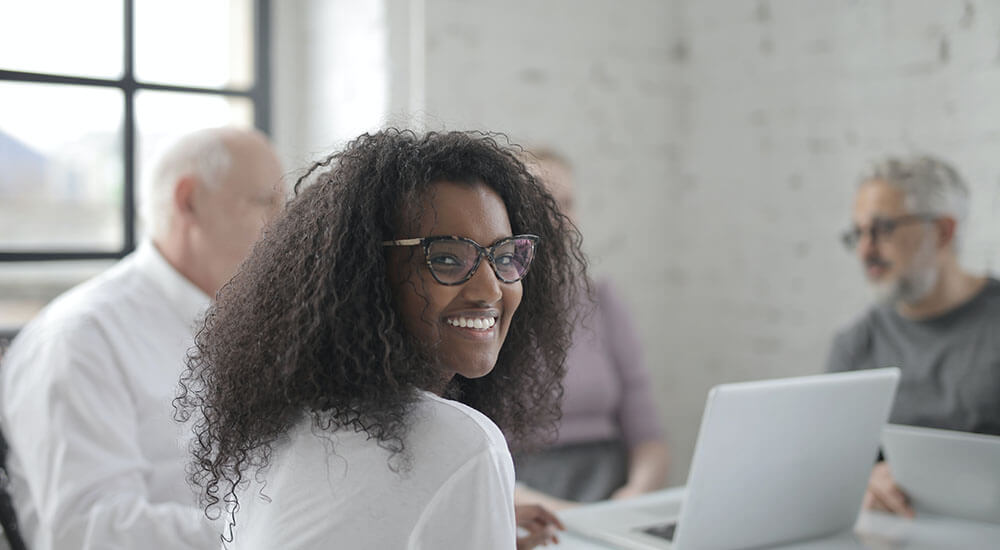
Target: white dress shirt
{"x":96,"y":459}
{"x":453,"y":489}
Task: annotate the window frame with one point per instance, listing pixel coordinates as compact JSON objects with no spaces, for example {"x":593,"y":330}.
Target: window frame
{"x":259,"y":94}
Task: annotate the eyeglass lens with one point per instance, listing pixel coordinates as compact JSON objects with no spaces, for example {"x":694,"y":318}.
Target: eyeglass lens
{"x":881,"y":229}
{"x":452,"y":260}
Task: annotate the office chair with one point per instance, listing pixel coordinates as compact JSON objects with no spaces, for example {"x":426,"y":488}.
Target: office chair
{"x":8,"y":518}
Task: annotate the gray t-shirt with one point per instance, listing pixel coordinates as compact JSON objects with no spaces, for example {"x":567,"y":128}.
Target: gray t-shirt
{"x":950,"y":363}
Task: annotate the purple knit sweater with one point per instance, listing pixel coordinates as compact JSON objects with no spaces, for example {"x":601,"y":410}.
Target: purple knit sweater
{"x":607,"y":389}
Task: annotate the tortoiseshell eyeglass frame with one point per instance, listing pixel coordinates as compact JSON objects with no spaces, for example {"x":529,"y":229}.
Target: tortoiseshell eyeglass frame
{"x":482,"y":251}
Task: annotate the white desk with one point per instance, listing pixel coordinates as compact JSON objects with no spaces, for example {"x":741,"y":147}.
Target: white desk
{"x":873,"y":531}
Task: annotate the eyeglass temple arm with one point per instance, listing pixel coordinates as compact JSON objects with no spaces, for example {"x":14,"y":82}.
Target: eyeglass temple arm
{"x":402,"y":242}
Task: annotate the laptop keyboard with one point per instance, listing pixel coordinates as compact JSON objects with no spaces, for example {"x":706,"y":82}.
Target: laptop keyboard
{"x":664,"y":531}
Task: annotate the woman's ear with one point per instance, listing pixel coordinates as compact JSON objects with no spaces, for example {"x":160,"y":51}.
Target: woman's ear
{"x":400,"y":262}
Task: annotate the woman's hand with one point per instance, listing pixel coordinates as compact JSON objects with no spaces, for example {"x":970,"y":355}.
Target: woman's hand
{"x":527,"y":495}
{"x":627,"y":491}
{"x":648,"y":463}
{"x":537,"y":524}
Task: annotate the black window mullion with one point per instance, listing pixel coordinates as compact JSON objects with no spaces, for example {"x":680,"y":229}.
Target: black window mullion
{"x":128,"y":80}
{"x":262,"y":66}
{"x":43,"y":78}
{"x":57,"y":255}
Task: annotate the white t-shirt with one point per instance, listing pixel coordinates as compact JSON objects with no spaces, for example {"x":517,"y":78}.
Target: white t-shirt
{"x":333,"y":490}
{"x":96,"y":459}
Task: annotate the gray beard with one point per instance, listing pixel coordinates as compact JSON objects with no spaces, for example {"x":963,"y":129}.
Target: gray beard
{"x":914,"y":285}
{"x":910,"y":288}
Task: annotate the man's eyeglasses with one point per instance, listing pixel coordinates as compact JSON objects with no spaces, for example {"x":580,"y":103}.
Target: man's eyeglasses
{"x":454,"y":260}
{"x":881,"y":228}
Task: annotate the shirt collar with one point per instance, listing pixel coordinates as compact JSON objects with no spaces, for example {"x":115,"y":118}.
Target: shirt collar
{"x":186,"y":299}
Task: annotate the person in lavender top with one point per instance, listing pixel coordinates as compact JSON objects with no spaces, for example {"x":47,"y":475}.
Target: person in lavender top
{"x":610,"y":441}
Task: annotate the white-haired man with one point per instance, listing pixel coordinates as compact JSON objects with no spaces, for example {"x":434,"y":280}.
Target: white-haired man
{"x":86,"y":389}
{"x":939,"y":323}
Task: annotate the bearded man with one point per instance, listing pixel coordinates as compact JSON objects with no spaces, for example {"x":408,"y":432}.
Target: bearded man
{"x":934,"y":320}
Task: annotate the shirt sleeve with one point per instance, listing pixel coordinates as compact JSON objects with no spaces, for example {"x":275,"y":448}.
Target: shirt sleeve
{"x":637,"y":415}
{"x":72,"y":418}
{"x":474,"y":508}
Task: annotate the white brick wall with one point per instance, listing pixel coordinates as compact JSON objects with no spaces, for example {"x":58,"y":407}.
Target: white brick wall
{"x":716,"y":145}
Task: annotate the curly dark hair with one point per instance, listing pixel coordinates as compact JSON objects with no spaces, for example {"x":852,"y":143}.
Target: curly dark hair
{"x":309,"y":326}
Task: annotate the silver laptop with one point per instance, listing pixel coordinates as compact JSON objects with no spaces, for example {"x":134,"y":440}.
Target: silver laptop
{"x":945,"y":472}
{"x":776,"y":461}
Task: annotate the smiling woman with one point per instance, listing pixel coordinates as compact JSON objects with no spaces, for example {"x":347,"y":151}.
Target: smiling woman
{"x":445,"y":301}
{"x":353,"y":379}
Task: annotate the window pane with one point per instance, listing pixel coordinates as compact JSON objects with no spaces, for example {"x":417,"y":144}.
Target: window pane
{"x":62,"y":36}
{"x":162,"y":117}
{"x":61,"y":168}
{"x":25,"y":287}
{"x":204,"y":43}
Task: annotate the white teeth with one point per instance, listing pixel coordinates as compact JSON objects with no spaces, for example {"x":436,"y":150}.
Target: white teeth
{"x":477,"y":323}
